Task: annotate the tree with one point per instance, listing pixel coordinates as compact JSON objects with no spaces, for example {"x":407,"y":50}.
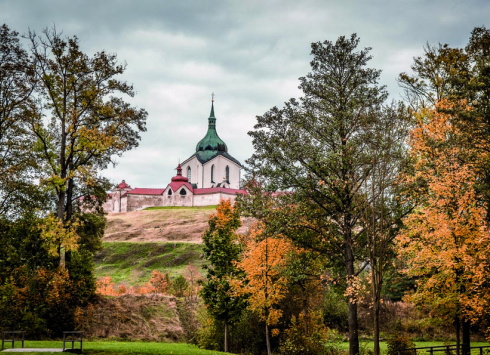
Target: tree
{"x":447,"y":241}
{"x":17,"y":166}
{"x":264,"y":284}
{"x":221,"y":249}
{"x":457,"y":81}
{"x":80,"y":124}
{"x":317,"y":150}
{"x":384,"y":209}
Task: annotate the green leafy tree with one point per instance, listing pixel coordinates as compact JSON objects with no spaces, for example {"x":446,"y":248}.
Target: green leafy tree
{"x":81,"y":122}
{"x":17,"y":164}
{"x":318,"y":147}
{"x":222,"y":250}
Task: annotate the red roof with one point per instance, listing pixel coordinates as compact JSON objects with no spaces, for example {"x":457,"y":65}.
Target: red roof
{"x":179,"y":176}
{"x":212,"y":190}
{"x":143,"y":191}
{"x":175,"y":185}
{"x":123,"y":185}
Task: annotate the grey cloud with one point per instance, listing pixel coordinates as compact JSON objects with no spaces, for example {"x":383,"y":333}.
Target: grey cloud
{"x":250,"y":53}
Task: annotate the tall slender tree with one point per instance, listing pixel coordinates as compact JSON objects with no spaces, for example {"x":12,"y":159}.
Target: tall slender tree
{"x":222,"y":250}
{"x":317,"y":148}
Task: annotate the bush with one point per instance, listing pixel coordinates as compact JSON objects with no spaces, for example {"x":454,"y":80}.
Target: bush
{"x":398,"y":343}
{"x":179,"y":286}
{"x":335,"y":311}
{"x":296,"y":342}
{"x":247,"y":335}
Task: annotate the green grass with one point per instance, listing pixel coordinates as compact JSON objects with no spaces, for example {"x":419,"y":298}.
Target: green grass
{"x":133,"y":262}
{"x":418,"y":344}
{"x":204,"y":208}
{"x":113,"y":347}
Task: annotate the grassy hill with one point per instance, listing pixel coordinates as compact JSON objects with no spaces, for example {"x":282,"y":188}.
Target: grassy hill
{"x":157,"y":238}
{"x":132,"y":263}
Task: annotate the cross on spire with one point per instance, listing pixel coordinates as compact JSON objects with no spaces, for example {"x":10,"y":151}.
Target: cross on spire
{"x":212,"y":97}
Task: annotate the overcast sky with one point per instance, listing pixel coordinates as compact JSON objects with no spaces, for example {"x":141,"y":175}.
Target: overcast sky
{"x":249,"y":53}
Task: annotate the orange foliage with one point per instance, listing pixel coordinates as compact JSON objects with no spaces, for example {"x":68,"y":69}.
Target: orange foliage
{"x":156,"y":284}
{"x":262,"y":261}
{"x":447,"y":241}
{"x":193,"y":277}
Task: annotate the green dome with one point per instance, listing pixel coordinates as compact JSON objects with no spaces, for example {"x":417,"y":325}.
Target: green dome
{"x":211,"y":143}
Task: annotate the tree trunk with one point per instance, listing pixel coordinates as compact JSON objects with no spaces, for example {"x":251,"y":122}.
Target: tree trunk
{"x":457,"y":325}
{"x":267,"y":339}
{"x":376,"y":326}
{"x":61,"y":210}
{"x":226,"y":336}
{"x":352,"y":307}
{"x":466,"y":337}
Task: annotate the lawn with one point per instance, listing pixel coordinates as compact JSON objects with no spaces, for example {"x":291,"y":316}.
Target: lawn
{"x":112,"y":348}
{"x":133,"y":262}
{"x":369,"y":345}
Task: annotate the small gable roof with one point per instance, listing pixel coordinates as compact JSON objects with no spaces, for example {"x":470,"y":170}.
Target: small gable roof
{"x":175,"y":185}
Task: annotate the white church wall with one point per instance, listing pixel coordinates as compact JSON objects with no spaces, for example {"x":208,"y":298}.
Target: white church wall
{"x":220,"y":163}
{"x":176,"y":199}
{"x":212,"y":199}
{"x":196,"y":173}
{"x":139,"y":202}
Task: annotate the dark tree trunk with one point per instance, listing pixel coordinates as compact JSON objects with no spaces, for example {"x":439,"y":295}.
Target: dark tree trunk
{"x":466,"y":337}
{"x":376,"y":326}
{"x":226,"y":336}
{"x":267,"y":339}
{"x":352,"y":307}
{"x":457,"y":325}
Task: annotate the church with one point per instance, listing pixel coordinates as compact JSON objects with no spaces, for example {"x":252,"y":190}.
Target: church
{"x":208,"y":175}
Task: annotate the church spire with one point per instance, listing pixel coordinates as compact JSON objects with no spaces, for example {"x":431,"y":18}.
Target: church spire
{"x":211,"y":141}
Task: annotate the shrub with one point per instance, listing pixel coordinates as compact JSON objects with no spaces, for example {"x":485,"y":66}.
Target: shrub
{"x":179,"y":286}
{"x":335,"y":310}
{"x":296,"y":342}
{"x":398,"y":343}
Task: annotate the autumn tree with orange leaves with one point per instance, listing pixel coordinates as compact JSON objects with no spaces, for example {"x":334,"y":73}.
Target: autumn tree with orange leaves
{"x":447,"y":240}
{"x":265,"y":284}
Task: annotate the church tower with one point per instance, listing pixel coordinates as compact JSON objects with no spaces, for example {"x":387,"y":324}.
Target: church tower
{"x":211,"y":165}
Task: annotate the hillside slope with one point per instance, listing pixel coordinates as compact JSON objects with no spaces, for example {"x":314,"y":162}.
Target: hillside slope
{"x":164,"y":224}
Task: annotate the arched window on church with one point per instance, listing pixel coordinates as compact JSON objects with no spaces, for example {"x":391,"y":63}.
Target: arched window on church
{"x":189,"y":173}
{"x":227,"y":174}
{"x":170,"y":192}
{"x":212,"y":173}
{"x":183,"y":192}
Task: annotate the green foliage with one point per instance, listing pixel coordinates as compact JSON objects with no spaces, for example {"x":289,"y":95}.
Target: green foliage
{"x":296,"y":342}
{"x":246,"y":335}
{"x":91,"y":231}
{"x":335,"y":311}
{"x":399,"y":342}
{"x":221,"y":249}
{"x":179,"y":286}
